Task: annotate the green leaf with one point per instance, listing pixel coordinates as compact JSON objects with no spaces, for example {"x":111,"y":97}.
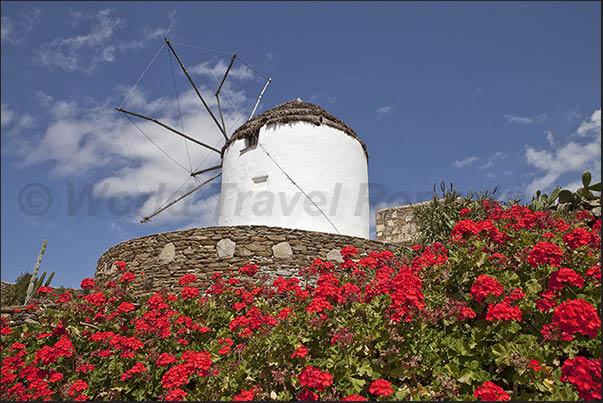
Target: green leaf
{"x":467,"y":376}
{"x":596,"y":187}
{"x":586,"y":177}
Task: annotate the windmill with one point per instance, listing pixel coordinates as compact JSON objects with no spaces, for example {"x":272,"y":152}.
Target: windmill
{"x":219,"y":123}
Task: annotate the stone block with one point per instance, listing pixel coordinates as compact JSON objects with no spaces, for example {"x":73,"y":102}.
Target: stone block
{"x":334,"y":255}
{"x":225,"y":248}
{"x":282,"y":250}
{"x":167,"y":254}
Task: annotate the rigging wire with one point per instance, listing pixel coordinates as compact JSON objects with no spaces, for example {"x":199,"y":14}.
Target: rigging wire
{"x":156,"y":145}
{"x":198,"y":47}
{"x":180,"y":111}
{"x":299,"y":187}
{"x":252,"y":68}
{"x":142,"y":75}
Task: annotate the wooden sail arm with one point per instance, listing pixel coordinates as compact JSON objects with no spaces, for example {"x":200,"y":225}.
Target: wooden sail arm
{"x":206,"y":170}
{"x":169,"y":128}
{"x":226,"y":74}
{"x":147,"y":218}
{"x":195,"y":88}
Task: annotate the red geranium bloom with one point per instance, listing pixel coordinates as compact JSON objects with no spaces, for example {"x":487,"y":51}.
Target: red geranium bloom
{"x":312,"y":377}
{"x":535,"y":364}
{"x":503,"y":311}
{"x":564,"y":276}
{"x":244,"y":396}
{"x":126,"y":307}
{"x":585,"y":375}
{"x":307,"y":396}
{"x":300,"y":352}
{"x":381,"y":387}
{"x":187,"y":278}
{"x":120,"y":264}
{"x":165,"y":359}
{"x":485,"y":285}
{"x":176,"y":395}
{"x":249,"y":269}
{"x":44,"y":290}
{"x":354,"y":398}
{"x":127,"y":277}
{"x":87,"y":283}
{"x":190,"y":292}
{"x":545,"y":253}
{"x":577,"y":237}
{"x":464,"y":212}
{"x":77,"y":386}
{"x":577,"y":316}
{"x":489,"y":391}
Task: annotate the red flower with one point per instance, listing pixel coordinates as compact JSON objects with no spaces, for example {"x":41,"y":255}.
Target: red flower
{"x":464,"y":212}
{"x":165,"y":359}
{"x":300,"y":352}
{"x":577,"y":316}
{"x":55,"y":377}
{"x":249,"y":269}
{"x":585,"y":375}
{"x":381,"y":387}
{"x":190,"y":292}
{"x":87,"y":283}
{"x":503,"y":311}
{"x":77,"y":386}
{"x":126,"y":307}
{"x":464,"y":229}
{"x":565,"y":276}
{"x":44,"y":290}
{"x":485,"y":285}
{"x":176,"y":395}
{"x":110,"y":284}
{"x":354,"y":398}
{"x":535,"y":364}
{"x":490,"y":391}
{"x":307,"y":396}
{"x":187,"y":279}
{"x":545,"y":253}
{"x":136,"y":369}
{"x":577,"y":237}
{"x":121,"y":265}
{"x":127,"y":277}
{"x":244,"y":396}
{"x":85,"y":368}
{"x":312,"y":377}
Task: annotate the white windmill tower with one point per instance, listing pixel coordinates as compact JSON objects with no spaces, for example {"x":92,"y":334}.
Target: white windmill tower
{"x":293,"y":166}
{"x":296,"y":166}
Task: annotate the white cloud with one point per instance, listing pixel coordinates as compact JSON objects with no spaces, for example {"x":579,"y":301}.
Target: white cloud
{"x":217,"y":69}
{"x":571,"y":157}
{"x":524,"y":120}
{"x":84,"y":52}
{"x":14,"y":30}
{"x":87,"y":139}
{"x":13,"y":123}
{"x":6,"y":115}
{"x":464,"y":162}
{"x":549,"y":138}
{"x":270,"y":56}
{"x":384,"y":111}
{"x":497,"y":156}
{"x":160,"y":32}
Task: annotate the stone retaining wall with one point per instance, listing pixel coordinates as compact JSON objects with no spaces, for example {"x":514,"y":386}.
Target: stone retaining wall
{"x":397,"y":224}
{"x":166,"y":257}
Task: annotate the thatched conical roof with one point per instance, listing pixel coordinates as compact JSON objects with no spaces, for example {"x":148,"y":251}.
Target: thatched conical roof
{"x":292,"y":111}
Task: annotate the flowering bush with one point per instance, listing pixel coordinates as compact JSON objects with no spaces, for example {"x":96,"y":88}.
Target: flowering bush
{"x":507,"y":307}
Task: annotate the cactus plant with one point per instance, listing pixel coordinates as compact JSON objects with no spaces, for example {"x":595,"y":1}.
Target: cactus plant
{"x":32,"y":280}
{"x":49,"y":279}
{"x":583,"y":198}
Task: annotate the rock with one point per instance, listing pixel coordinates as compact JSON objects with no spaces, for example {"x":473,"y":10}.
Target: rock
{"x":188,"y":251}
{"x":334,"y":255}
{"x":276,"y":237}
{"x":282,"y":250}
{"x":225,"y":248}
{"x":167,"y":253}
{"x":243,"y":251}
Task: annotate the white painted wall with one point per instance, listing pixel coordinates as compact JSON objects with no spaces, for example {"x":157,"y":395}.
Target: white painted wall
{"x":326,"y":163}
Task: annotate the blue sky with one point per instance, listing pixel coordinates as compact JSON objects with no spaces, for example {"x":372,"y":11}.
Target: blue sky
{"x":480,"y":94}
